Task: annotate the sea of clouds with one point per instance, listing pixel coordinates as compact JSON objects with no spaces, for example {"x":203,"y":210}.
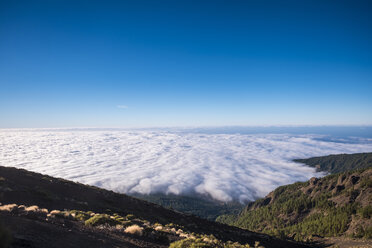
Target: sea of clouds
{"x":222,"y":166}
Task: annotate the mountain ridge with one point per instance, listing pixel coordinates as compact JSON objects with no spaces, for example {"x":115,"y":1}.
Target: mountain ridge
{"x":335,"y":205}
{"x":26,"y":189}
{"x":336,"y":163}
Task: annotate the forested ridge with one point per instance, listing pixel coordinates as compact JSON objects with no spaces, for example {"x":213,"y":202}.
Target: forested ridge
{"x":336,"y":205}
{"x":340,"y":162}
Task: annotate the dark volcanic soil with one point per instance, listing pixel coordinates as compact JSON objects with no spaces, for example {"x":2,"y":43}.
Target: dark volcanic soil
{"x":28,"y":188}
{"x":30,"y":232}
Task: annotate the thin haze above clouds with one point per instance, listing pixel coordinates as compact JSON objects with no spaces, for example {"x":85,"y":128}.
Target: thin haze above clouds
{"x":223,"y":166}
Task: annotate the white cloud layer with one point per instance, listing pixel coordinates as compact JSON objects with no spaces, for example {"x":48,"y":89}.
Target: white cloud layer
{"x":223,"y":166}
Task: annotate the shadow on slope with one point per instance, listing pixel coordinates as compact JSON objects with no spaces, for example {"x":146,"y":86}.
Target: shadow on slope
{"x":23,"y":187}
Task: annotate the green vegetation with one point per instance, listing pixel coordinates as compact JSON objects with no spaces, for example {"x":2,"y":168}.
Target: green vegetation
{"x":366,"y":182}
{"x":339,"y":163}
{"x":209,"y":242}
{"x":363,"y":232}
{"x":101,"y":219}
{"x":112,"y":220}
{"x":130,"y":216}
{"x":324,"y":207}
{"x":208,"y":209}
{"x":366,"y":212}
{"x":155,"y":231}
{"x":80,"y":215}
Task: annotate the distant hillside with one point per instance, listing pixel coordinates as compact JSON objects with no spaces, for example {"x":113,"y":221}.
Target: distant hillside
{"x":205,"y":208}
{"x":42,"y":211}
{"x":339,"y":163}
{"x":336,"y":205}
{"x":210,"y":209}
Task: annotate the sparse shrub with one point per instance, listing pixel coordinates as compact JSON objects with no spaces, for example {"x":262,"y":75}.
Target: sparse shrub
{"x":130,"y":216}
{"x":56,"y":213}
{"x":194,"y":243}
{"x":126,"y":223}
{"x":363,"y":232}
{"x":101,"y":219}
{"x":366,"y":212}
{"x":80,"y":215}
{"x":59,"y":214}
{"x":366,"y":183}
{"x":33,"y":208}
{"x":119,"y":227}
{"x":184,"y":235}
{"x":134,"y":229}
{"x":119,"y":218}
{"x":207,"y":242}
{"x":9,"y":207}
{"x":257,"y":244}
{"x":44,"y":210}
{"x":21,"y":207}
{"x":368,"y":233}
{"x":158,"y":228}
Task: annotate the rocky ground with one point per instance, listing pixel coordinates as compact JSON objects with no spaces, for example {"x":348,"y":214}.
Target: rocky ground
{"x":42,"y":211}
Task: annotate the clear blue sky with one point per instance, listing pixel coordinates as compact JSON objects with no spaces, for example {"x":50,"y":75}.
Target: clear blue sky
{"x":185,"y":63}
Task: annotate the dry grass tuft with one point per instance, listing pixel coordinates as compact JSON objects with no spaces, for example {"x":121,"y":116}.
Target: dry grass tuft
{"x":22,"y":207}
{"x":44,"y":210}
{"x":9,"y":207}
{"x":158,"y":228}
{"x":54,"y":213}
{"x":134,"y":229}
{"x":184,"y":235}
{"x":33,"y":208}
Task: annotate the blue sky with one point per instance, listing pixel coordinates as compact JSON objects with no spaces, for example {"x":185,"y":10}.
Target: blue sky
{"x":185,"y":63}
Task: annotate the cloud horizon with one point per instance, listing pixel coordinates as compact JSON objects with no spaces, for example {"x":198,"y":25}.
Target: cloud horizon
{"x":225,"y":167}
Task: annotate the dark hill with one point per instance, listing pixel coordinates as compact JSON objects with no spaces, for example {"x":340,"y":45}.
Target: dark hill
{"x":208,"y":209}
{"x":88,"y":216}
{"x":339,"y":163}
{"x":211,"y":209}
{"x":336,"y":205}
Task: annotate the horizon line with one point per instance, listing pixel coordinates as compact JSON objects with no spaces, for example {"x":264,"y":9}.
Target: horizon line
{"x":195,"y":127}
